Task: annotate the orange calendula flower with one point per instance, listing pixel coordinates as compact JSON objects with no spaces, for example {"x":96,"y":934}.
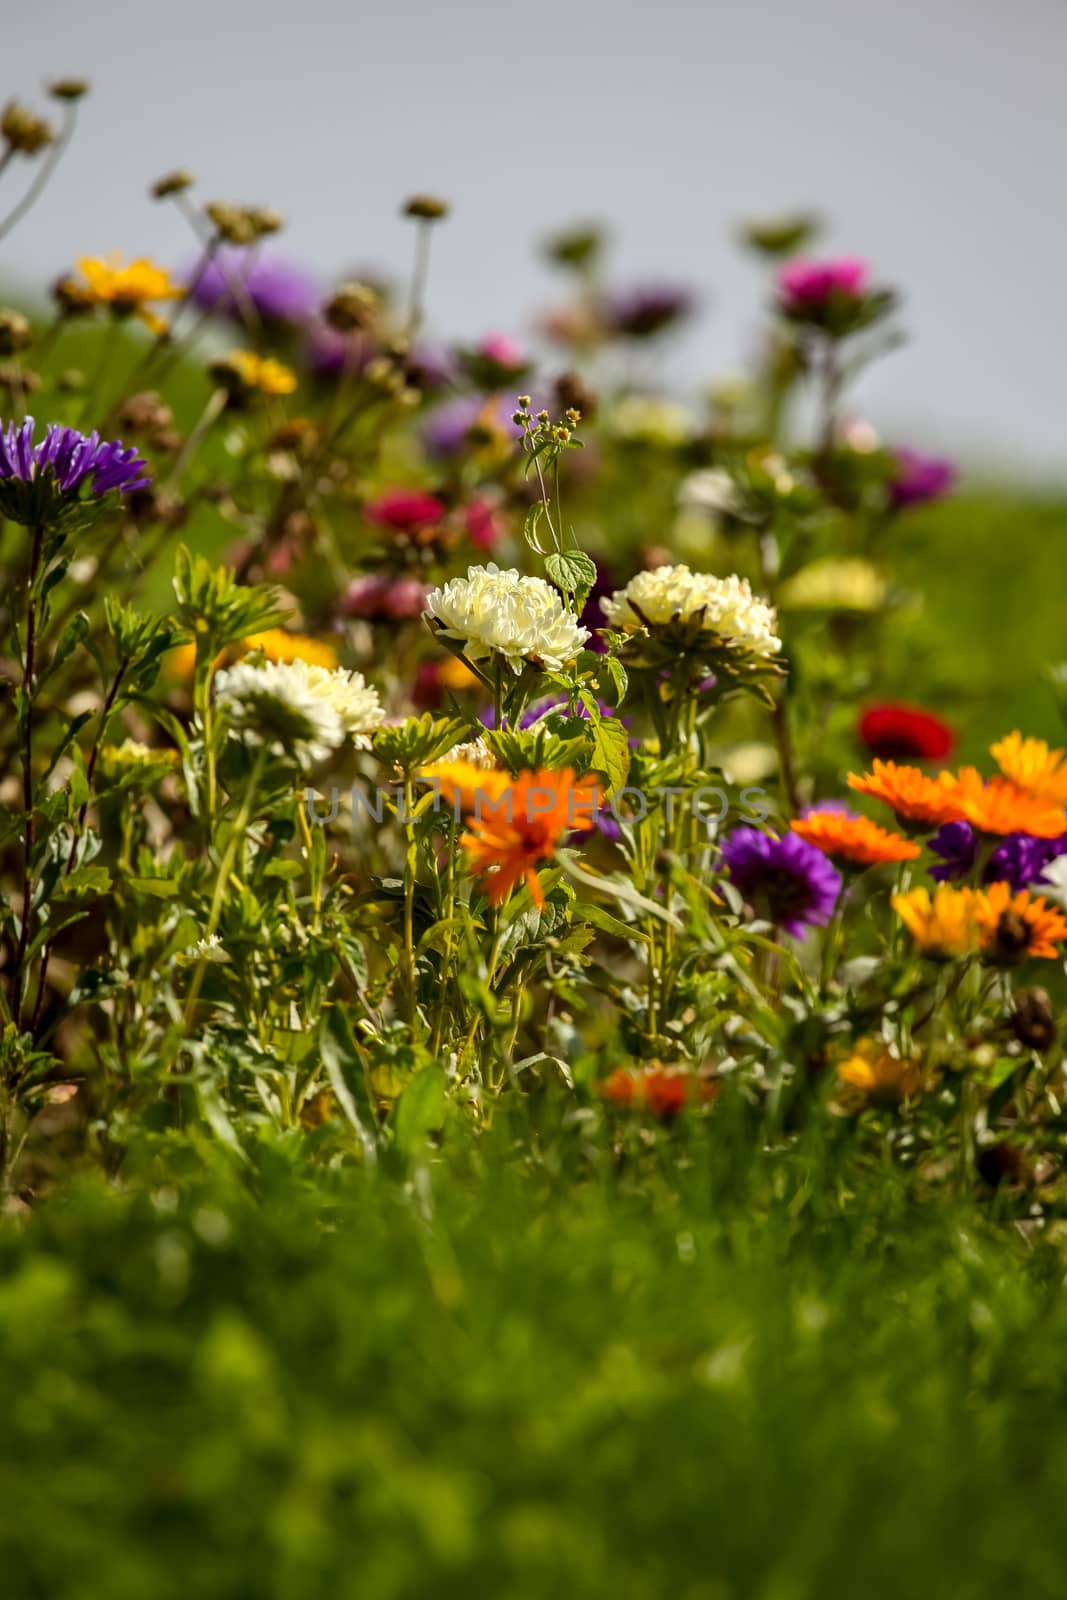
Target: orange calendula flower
{"x":943,"y":924}
{"x":531,"y":815}
{"x":1032,"y":765}
{"x":277,"y":645}
{"x":877,"y":1077}
{"x":1000,"y":806}
{"x":855,"y":839}
{"x":129,"y":289}
{"x":1017,"y":925}
{"x":262,"y":372}
{"x":662,"y":1090}
{"x":914,"y":797}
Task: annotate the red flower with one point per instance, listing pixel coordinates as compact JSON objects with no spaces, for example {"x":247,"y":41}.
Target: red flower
{"x":405,"y":510}
{"x":662,"y":1090}
{"x":905,"y":733}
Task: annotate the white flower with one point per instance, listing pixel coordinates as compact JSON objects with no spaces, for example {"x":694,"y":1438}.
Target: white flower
{"x":209,"y":949}
{"x":646,"y":419}
{"x":475,"y":752}
{"x":711,"y":489}
{"x":1053,"y":882}
{"x":508,"y":614}
{"x":296,"y":709}
{"x":674,"y":594}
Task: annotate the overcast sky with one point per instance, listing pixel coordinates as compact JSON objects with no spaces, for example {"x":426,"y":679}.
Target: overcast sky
{"x":930,"y":132}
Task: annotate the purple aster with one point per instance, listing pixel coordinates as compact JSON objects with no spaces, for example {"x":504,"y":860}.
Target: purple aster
{"x":33,"y":476}
{"x":786,"y":880}
{"x":647,"y":310}
{"x":1019,"y":859}
{"x":920,"y":479}
{"x":279,"y":290}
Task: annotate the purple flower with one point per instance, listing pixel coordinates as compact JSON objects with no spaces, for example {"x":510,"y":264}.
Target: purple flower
{"x":920,"y":479}
{"x":33,"y":477}
{"x":471,"y":419}
{"x":647,"y":309}
{"x":787,"y":880}
{"x":279,"y":290}
{"x":1019,"y":859}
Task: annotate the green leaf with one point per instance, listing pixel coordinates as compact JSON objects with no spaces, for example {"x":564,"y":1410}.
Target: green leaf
{"x":611,"y":751}
{"x":572,"y":571}
{"x":83,"y":881}
{"x":157,"y":888}
{"x":344,"y":1069}
{"x":421,"y":1109}
{"x":588,"y":911}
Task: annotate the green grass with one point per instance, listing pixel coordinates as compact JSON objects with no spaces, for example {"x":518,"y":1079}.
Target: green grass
{"x":537,"y":1368}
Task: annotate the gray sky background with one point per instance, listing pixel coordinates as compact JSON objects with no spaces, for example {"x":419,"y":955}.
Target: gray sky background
{"x":929,"y":132}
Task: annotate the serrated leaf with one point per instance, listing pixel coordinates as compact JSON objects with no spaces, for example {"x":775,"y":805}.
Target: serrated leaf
{"x":572,"y":571}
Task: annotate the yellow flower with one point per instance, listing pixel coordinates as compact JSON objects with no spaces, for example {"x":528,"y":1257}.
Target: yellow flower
{"x":277,"y":645}
{"x":944,"y":924}
{"x":851,"y":584}
{"x":1033,"y":766}
{"x":879,"y":1078}
{"x":129,"y":289}
{"x":262,"y":372}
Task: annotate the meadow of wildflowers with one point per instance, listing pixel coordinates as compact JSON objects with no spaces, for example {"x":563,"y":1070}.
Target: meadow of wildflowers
{"x":530,"y":1019}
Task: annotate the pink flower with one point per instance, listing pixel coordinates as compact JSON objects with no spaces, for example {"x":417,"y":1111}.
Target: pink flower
{"x":405,"y":597}
{"x":405,"y":510}
{"x":803,"y":284}
{"x":365,"y":596}
{"x":920,"y":478}
{"x":503,"y":349}
{"x":480,"y":520}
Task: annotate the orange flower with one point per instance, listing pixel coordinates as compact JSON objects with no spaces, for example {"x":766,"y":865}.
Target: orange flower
{"x":1015,"y":926}
{"x":853,"y":838}
{"x":1000,"y":806}
{"x":876,"y":1077}
{"x":477,"y":788}
{"x":662,"y":1090}
{"x":1031,"y":765}
{"x":525,"y":827}
{"x":129,"y":289}
{"x":913,"y":796}
{"x":277,"y":645}
{"x":943,"y":924}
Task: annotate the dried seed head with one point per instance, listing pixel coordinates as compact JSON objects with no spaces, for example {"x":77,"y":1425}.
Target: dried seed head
{"x":24,"y":130}
{"x":232,"y":222}
{"x":68,"y":88}
{"x":426,"y":207}
{"x":264,"y":220}
{"x":352,"y":306}
{"x":73,"y":299}
{"x":15,"y":332}
{"x":1032,"y":1021}
{"x":172,"y":183}
{"x":145,"y":413}
{"x":18,"y":382}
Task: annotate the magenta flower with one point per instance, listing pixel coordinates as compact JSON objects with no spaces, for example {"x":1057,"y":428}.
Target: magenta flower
{"x":405,"y":510}
{"x":482,"y":524}
{"x":920,"y":479}
{"x":503,"y":349}
{"x":808,"y":285}
{"x":365,"y":597}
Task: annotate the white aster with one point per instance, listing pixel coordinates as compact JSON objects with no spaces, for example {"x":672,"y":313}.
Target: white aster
{"x":668,"y":595}
{"x":1053,"y":882}
{"x":508,"y":614}
{"x":711,"y":490}
{"x":297,"y":709}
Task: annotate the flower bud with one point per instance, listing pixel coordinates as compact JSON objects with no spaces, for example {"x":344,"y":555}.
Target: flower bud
{"x":233,"y":223}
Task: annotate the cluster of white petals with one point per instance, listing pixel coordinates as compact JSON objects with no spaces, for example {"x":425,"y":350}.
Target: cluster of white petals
{"x":667,"y":595}
{"x":507,"y":614}
{"x":296,"y":709}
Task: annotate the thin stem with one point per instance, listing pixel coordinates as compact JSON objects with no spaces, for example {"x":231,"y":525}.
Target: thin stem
{"x":44,"y":173}
{"x":79,"y":829}
{"x":419,"y":275}
{"x":29,"y":670}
